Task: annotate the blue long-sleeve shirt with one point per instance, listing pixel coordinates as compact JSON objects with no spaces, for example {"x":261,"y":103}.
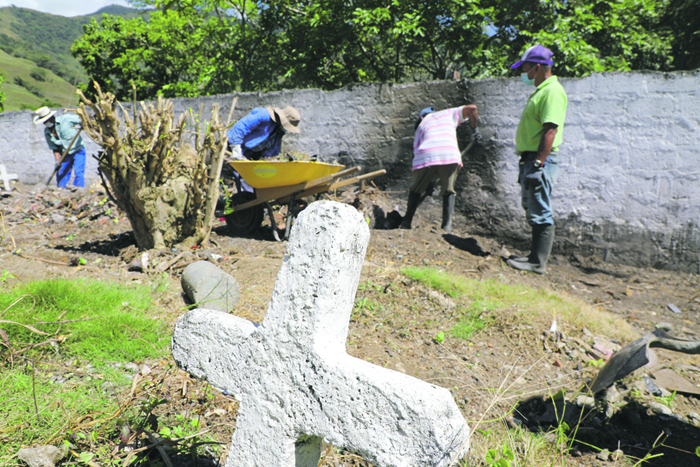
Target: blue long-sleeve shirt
{"x":67,"y":125}
{"x":257,"y":134}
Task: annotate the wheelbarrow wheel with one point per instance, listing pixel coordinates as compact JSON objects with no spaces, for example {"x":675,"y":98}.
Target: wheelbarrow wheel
{"x":246,"y":221}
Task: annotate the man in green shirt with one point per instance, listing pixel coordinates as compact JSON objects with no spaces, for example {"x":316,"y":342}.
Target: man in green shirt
{"x":537,"y":141}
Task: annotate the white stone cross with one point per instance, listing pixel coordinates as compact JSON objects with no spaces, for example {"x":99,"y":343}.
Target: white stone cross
{"x":5,"y":177}
{"x":296,"y":384}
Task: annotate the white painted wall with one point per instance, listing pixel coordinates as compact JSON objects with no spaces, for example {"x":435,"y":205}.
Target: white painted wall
{"x":628,"y":181}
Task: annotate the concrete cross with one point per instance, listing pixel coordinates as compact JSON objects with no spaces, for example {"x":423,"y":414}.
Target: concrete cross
{"x":292,"y":376}
{"x":5,"y":177}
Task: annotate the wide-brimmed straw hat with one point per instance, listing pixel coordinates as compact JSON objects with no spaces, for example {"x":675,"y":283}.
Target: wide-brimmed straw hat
{"x":42,"y":114}
{"x":289,"y":118}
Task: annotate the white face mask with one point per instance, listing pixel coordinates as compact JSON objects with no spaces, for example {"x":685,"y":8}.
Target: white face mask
{"x":48,"y":124}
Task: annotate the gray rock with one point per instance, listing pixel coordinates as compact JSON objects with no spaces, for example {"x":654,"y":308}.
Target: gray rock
{"x":587,"y":401}
{"x":694,"y":418}
{"x":210,"y":287}
{"x":40,"y":456}
{"x":613,"y":396}
{"x":652,"y":388}
{"x":660,"y":409}
{"x":57,"y":218}
{"x":603,"y":455}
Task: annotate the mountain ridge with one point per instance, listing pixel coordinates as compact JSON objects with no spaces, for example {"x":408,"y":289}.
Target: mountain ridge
{"x":37,"y":62}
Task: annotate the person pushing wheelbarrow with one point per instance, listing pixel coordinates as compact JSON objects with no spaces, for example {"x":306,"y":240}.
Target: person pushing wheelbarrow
{"x":259,"y":135}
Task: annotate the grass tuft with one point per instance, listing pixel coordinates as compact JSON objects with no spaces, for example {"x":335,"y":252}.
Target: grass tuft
{"x":529,"y":304}
{"x":110,"y":322}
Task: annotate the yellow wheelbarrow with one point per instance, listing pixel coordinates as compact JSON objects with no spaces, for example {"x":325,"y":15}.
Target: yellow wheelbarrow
{"x":280,"y":183}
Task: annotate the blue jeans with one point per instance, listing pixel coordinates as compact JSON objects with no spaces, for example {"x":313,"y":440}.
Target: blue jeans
{"x":72,"y":162}
{"x":536,"y":187}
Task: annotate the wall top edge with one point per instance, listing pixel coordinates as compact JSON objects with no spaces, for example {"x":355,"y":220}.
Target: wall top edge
{"x":459,"y":83}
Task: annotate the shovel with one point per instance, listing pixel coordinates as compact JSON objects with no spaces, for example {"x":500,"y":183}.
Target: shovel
{"x":636,"y":355}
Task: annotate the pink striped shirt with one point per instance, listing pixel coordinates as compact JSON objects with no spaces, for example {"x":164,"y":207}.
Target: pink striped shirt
{"x":435,"y":142}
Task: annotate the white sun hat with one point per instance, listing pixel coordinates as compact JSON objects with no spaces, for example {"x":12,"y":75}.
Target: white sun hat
{"x":42,"y":114}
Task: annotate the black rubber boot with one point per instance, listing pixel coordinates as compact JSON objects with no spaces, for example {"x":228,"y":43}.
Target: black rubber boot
{"x":542,"y":240}
{"x":448,"y":207}
{"x":413,"y":201}
{"x":533,"y":248}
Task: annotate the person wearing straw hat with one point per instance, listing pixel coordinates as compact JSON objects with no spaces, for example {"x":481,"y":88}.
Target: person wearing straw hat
{"x":537,"y":141}
{"x":259,"y":134}
{"x":59,"y":132}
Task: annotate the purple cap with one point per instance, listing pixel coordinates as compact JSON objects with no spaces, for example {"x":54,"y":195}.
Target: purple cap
{"x":536,"y":54}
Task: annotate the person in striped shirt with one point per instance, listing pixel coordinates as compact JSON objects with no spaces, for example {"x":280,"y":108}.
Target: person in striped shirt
{"x":435,"y":152}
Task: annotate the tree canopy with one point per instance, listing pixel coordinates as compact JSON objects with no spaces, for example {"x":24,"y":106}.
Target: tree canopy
{"x":202,"y":47}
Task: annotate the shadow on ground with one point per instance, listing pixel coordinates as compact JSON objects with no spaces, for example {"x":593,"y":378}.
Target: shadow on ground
{"x":596,"y":425}
{"x":470,"y":245}
{"x":109,"y":247}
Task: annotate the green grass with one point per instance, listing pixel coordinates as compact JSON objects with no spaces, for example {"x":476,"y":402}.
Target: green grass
{"x":117,"y":327}
{"x":45,"y":389}
{"x":473,"y":319}
{"x":450,"y":284}
{"x":488,"y":296}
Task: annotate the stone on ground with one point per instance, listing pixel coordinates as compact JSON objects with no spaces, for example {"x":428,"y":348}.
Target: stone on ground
{"x":40,"y":456}
{"x":295,"y":382}
{"x":210,"y":287}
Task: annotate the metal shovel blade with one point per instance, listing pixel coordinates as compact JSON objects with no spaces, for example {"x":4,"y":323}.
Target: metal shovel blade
{"x":636,"y":355}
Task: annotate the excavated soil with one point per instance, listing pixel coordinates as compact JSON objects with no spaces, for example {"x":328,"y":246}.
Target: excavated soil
{"x":514,"y":363}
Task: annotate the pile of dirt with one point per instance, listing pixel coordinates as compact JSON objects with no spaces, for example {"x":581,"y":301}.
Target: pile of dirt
{"x":80,"y":233}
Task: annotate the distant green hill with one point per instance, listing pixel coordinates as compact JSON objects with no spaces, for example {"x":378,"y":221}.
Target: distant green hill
{"x":35,"y":55}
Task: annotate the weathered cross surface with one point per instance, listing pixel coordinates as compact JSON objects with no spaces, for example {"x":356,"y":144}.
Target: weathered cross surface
{"x":292,"y":376}
{"x":5,"y":177}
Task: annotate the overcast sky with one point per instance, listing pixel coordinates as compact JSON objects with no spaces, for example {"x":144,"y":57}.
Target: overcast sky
{"x":63,"y":7}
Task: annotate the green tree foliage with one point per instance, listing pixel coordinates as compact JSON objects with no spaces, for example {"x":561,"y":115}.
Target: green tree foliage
{"x":683,"y":18}
{"x":192,"y":47}
{"x":185,"y":49}
{"x":34,"y":89}
{"x":331,"y":43}
{"x":39,"y":74}
{"x":587,"y":35}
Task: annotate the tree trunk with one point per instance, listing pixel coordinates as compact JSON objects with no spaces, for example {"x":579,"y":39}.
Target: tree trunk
{"x":165,"y":183}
